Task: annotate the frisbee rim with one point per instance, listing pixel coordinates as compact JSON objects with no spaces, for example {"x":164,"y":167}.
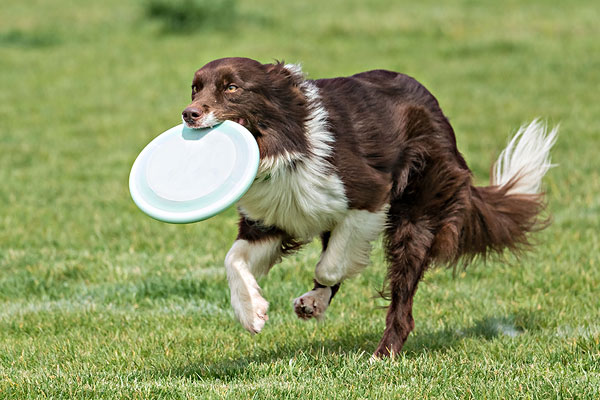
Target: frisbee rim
{"x":137,"y":176}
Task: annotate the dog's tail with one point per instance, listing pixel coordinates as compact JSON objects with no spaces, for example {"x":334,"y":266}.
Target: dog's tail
{"x":502,"y":214}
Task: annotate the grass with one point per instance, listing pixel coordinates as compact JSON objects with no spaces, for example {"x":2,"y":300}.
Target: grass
{"x":192,"y":15}
{"x":98,"y":300}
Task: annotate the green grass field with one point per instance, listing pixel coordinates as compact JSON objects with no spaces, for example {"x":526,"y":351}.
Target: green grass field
{"x":98,"y":300}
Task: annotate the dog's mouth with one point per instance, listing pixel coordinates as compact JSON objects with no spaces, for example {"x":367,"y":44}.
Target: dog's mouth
{"x":210,"y":121}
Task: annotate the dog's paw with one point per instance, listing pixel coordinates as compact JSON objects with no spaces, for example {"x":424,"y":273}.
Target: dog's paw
{"x":251,"y":312}
{"x":260,"y":315}
{"x":312,"y":304}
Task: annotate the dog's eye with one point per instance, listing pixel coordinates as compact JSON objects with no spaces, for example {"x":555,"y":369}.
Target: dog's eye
{"x":194,"y":89}
{"x":231,"y":88}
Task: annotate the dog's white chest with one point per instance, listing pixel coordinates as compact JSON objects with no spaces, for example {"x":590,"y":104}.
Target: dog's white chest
{"x":303,"y":201}
{"x":300,"y":193}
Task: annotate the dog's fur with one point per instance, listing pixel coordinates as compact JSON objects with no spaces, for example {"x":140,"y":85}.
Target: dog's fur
{"x":349,"y":158}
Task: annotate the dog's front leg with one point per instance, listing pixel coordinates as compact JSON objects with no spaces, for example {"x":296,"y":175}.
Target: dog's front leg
{"x":349,"y":247}
{"x":246,"y":259}
{"x":345,"y":253}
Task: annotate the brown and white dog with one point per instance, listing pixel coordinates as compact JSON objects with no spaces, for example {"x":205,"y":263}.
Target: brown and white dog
{"x":350,"y":158}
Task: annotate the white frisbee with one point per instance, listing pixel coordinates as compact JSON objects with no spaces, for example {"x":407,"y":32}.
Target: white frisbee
{"x":187,"y":175}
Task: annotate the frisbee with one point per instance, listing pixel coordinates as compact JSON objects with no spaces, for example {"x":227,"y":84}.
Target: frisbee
{"x":188,"y":175}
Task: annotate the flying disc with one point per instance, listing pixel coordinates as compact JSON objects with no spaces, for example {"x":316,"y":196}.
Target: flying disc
{"x":187,"y":175}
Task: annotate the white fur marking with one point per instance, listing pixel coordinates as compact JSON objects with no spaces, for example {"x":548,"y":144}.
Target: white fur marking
{"x":526,"y":159}
{"x":243,"y":261}
{"x":349,"y":246}
{"x":275,"y":163}
{"x":207,"y":121}
{"x":305,"y":198}
{"x":295,"y":69}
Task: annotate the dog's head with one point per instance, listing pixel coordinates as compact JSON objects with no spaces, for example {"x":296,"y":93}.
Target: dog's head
{"x":265,"y":98}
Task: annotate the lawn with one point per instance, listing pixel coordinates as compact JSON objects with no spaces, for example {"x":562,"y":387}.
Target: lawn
{"x":97,"y":300}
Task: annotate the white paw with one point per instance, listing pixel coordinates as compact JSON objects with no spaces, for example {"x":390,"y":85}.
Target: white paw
{"x":251,"y":311}
{"x":312,"y":304}
{"x":259,"y":316}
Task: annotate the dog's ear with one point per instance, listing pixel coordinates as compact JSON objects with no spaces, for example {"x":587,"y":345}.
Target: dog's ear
{"x":290,"y":73}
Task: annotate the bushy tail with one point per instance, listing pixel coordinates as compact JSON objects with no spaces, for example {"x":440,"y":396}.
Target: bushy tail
{"x":525,"y":160}
{"x":503,"y":213}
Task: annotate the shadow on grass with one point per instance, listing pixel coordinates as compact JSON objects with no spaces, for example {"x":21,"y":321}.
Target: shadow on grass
{"x":232,"y":368}
{"x":486,"y":329}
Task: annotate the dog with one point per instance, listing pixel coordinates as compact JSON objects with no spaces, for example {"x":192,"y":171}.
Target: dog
{"x":348,"y":159}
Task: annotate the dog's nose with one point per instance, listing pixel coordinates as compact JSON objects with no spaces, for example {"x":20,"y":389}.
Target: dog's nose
{"x":191,"y":114}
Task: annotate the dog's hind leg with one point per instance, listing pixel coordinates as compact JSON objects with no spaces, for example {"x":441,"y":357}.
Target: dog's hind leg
{"x":345,"y":253}
{"x":408,"y":245}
